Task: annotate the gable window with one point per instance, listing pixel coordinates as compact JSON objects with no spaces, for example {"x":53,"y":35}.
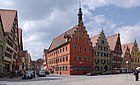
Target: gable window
{"x":102,"y":41}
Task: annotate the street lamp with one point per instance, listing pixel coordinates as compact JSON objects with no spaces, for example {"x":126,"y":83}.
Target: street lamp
{"x":127,"y":68}
{"x":127,"y":65}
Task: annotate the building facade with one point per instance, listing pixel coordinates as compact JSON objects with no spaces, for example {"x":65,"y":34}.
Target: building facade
{"x":1,"y":47}
{"x":126,"y":58}
{"x":116,"y":50}
{"x":71,"y":52}
{"x":10,"y":25}
{"x":101,"y":53}
{"x":45,"y":59}
{"x":135,"y":56}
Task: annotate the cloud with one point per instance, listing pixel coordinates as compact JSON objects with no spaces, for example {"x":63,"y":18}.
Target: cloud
{"x":92,"y":4}
{"x":6,"y":3}
{"x":39,"y":33}
{"x":130,"y":33}
{"x":97,"y":23}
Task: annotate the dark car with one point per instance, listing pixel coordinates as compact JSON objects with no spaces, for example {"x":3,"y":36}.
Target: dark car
{"x":27,"y":75}
{"x":91,"y":74}
{"x":47,"y":72}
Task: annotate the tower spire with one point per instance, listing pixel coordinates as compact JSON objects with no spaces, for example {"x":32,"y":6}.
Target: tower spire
{"x":80,"y":13}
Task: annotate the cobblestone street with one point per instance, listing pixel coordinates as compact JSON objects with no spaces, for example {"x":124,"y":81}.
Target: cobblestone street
{"x":122,"y":79}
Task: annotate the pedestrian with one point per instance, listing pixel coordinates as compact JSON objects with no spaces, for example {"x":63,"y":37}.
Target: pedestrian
{"x":34,"y":73}
{"x":60,"y":73}
{"x":136,"y":73}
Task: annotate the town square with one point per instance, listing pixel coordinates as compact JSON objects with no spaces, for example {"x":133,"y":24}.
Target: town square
{"x":69,"y":42}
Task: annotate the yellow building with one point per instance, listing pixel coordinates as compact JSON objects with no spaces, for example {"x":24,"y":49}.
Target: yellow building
{"x":135,"y":56}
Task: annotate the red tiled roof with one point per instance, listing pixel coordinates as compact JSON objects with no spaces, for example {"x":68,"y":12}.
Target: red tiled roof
{"x":130,"y":45}
{"x":7,"y":18}
{"x":112,"y":41}
{"x":94,"y":39}
{"x":124,"y":48}
{"x":60,"y":40}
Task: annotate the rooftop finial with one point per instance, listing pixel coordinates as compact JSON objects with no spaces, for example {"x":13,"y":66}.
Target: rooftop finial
{"x":80,"y":13}
{"x":79,"y":4}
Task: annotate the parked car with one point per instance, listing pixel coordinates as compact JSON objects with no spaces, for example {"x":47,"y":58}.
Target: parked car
{"x":27,"y":75}
{"x":91,"y":74}
{"x":41,"y":73}
{"x":47,"y":72}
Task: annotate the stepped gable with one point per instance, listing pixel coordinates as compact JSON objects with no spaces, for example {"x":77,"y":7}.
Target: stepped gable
{"x":60,"y":40}
{"x":94,"y":39}
{"x":112,"y":41}
{"x":7,"y":17}
{"x":124,"y":49}
{"x":130,"y":45}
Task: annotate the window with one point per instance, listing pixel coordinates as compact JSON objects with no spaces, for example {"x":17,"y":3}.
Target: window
{"x":96,"y":61}
{"x":63,"y":59}
{"x":96,"y":68}
{"x":66,"y":67}
{"x":89,"y":59}
{"x":100,"y":47}
{"x":85,"y":59}
{"x":66,"y":58}
{"x":60,"y":59}
{"x":75,"y":48}
{"x":102,"y":41}
{"x":80,"y":59}
{"x":80,"y":49}
{"x":63,"y":49}
{"x":75,"y":68}
{"x":63,"y":68}
{"x":75,"y":58}
{"x":85,"y":49}
{"x":66,"y":48}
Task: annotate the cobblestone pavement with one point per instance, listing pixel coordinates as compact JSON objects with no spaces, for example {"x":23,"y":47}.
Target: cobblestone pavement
{"x":121,"y":79}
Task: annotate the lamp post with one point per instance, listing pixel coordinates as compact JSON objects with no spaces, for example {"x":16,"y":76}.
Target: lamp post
{"x":127,"y":65}
{"x":127,"y":68}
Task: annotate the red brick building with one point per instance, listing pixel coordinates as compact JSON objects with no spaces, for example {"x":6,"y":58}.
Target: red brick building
{"x":116,"y":50}
{"x":71,"y":52}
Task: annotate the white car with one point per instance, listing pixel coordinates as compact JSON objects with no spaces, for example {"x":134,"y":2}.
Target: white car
{"x":42,"y":73}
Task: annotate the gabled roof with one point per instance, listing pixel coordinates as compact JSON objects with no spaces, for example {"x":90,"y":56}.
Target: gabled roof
{"x":112,"y":41}
{"x":60,"y":40}
{"x":130,"y":45}
{"x":7,"y":18}
{"x":94,"y":39}
{"x":124,"y":49}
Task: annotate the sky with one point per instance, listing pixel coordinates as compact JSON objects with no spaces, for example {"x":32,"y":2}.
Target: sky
{"x":43,"y":20}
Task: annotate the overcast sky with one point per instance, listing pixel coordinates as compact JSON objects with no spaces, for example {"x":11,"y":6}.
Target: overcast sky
{"x":43,"y":20}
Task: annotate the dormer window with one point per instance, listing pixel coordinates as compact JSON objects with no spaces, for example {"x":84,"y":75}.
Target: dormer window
{"x":67,"y":37}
